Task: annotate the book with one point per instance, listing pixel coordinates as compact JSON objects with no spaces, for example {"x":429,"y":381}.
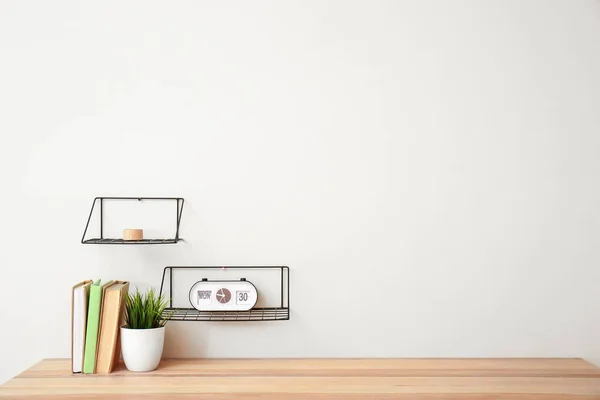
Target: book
{"x":111,"y":320}
{"x":79,"y":309}
{"x":93,"y":321}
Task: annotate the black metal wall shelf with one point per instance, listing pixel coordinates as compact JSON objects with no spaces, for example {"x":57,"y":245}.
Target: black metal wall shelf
{"x":256,"y":314}
{"x":279,"y":313}
{"x":102,"y":240}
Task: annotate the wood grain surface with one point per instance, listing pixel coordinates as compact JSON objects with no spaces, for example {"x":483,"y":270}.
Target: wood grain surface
{"x":318,"y":379}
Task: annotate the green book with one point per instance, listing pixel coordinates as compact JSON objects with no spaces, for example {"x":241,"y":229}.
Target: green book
{"x":93,"y":322}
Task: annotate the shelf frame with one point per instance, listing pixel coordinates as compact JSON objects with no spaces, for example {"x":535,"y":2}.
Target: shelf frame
{"x":279,"y":313}
{"x":102,"y":240}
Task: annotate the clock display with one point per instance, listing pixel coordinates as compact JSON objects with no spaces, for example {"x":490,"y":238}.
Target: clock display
{"x":223,"y":295}
{"x":208,"y":295}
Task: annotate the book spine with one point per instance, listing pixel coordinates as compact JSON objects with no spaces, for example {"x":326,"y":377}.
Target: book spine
{"x":91,"y":337}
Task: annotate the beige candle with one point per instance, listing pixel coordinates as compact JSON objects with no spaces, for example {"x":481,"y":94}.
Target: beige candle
{"x":133,"y":234}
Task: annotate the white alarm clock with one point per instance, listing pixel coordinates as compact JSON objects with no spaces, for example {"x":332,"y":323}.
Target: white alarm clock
{"x":208,"y":295}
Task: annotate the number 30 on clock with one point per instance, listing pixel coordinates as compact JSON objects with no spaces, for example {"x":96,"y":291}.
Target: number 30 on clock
{"x":242,"y":297}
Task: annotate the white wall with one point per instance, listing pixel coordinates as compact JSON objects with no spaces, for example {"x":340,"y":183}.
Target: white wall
{"x":437,"y":159}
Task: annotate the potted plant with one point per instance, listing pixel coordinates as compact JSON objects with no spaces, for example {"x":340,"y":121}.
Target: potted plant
{"x":143,"y":335}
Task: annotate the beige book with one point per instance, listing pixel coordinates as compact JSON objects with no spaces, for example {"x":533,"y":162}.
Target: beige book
{"x":111,"y":319}
{"x":79,"y":305}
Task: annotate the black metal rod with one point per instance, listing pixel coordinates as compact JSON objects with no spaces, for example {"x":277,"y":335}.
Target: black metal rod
{"x":162,"y":282}
{"x":170,"y":287}
{"x":177,"y":220}
{"x":101,"y":220}
{"x":179,"y":212}
{"x":281,"y":287}
{"x":225,"y":266}
{"x":88,"y":221}
{"x":140,"y":198}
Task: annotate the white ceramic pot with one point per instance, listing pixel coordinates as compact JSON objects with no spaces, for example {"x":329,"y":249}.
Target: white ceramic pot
{"x":142,"y":348}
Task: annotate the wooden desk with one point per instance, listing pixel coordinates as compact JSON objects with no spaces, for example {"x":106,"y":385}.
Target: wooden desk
{"x":319,"y":379}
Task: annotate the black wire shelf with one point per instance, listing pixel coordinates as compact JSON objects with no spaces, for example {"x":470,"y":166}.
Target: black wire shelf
{"x":102,"y":240}
{"x":279,"y":311}
{"x":255,"y":314}
{"x":123,"y":241}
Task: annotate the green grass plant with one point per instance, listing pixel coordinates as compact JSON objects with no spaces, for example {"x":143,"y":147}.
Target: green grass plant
{"x":145,"y":310}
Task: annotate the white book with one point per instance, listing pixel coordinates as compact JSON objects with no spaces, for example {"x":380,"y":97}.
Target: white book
{"x":80,"y":299}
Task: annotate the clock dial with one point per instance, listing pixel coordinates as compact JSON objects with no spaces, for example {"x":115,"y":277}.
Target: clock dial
{"x":223,"y":295}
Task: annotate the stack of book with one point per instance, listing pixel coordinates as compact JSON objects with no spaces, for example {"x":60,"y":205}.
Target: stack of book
{"x":97,"y":314}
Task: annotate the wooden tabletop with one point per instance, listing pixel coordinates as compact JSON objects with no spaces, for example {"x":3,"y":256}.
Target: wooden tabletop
{"x":319,"y":379}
